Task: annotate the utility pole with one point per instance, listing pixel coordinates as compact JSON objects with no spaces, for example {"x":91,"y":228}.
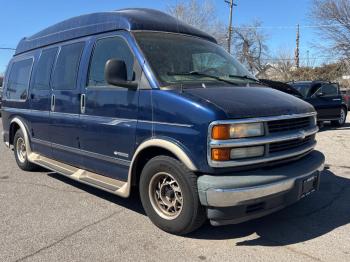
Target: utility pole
{"x":229,"y":40}
{"x":308,"y":58}
{"x":296,"y":55}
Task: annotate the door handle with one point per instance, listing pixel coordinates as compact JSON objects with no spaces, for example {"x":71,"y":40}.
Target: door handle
{"x":53,"y":102}
{"x":82,"y":103}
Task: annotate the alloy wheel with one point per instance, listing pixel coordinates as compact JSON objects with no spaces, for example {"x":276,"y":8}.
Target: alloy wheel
{"x":165,"y":195}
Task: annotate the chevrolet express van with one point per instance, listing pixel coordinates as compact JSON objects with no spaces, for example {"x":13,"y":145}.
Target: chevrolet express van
{"x":137,"y":98}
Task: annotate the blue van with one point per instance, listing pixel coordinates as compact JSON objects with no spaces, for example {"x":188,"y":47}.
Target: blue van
{"x":138,"y":98}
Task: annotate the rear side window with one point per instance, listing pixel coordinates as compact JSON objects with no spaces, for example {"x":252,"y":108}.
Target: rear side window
{"x":43,"y":71}
{"x":18,"y":82}
{"x":105,"y":49}
{"x":67,"y":65}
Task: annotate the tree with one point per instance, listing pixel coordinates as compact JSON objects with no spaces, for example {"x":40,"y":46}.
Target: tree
{"x":249,"y":45}
{"x":333,"y":16}
{"x":249,"y":42}
{"x":202,"y":15}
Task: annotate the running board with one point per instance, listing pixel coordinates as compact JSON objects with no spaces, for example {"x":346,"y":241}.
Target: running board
{"x":105,"y":183}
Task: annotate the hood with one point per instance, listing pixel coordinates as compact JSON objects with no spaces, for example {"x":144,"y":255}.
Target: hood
{"x":247,"y":102}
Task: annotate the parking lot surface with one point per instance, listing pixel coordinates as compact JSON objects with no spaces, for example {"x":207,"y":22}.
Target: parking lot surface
{"x":47,"y":217}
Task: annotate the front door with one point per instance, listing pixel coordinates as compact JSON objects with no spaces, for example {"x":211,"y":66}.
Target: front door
{"x":109,"y":121}
{"x":40,"y":99}
{"x":327,"y":101}
{"x":65,"y":105}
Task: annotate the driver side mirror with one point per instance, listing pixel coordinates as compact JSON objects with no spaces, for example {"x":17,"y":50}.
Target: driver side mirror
{"x":320,"y":94}
{"x":116,"y":74}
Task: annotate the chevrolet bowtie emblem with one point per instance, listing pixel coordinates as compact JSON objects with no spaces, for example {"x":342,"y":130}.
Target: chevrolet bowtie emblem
{"x":302,"y":135}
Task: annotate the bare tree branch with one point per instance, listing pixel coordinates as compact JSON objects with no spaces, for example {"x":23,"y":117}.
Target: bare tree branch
{"x":250,"y":46}
{"x":202,"y":15}
{"x":336,"y":15}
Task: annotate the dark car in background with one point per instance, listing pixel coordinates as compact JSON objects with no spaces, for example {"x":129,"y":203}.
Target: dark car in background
{"x":326,"y":98}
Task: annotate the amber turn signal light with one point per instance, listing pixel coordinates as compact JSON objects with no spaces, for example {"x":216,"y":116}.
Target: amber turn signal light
{"x":220,"y":154}
{"x":220,"y":132}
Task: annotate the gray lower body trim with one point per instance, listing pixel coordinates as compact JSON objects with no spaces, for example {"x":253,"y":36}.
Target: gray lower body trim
{"x":82,"y":152}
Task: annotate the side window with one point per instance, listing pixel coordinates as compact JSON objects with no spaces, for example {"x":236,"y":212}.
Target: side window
{"x":18,"y":82}
{"x":105,"y":49}
{"x":330,"y":90}
{"x":66,"y":69}
{"x":44,"y":68}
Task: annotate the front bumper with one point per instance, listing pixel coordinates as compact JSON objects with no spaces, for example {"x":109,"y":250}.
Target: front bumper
{"x":252,"y":194}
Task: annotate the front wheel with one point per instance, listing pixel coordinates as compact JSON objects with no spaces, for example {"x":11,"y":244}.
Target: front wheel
{"x":342,"y":119}
{"x":169,"y":196}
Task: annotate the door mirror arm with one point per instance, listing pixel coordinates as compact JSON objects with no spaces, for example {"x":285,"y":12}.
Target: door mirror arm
{"x":116,"y":74}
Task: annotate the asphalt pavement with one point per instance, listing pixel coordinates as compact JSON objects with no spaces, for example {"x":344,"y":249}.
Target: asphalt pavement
{"x":47,"y":217}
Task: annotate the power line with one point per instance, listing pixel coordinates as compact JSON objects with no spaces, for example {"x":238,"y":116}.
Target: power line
{"x":8,"y":48}
{"x":304,"y":58}
{"x":292,"y":26}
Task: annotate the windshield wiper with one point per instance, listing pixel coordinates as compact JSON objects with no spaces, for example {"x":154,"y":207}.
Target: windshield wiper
{"x":196,"y":73}
{"x":245,"y":77}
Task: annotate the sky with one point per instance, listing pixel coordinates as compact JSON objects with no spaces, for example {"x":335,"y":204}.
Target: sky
{"x":20,"y":18}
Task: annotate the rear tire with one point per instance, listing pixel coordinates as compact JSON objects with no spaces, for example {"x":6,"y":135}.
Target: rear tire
{"x":342,"y":120}
{"x":169,"y":195}
{"x":21,"y":154}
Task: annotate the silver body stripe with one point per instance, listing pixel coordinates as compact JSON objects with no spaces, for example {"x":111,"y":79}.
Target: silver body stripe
{"x":112,"y":121}
{"x":82,"y":152}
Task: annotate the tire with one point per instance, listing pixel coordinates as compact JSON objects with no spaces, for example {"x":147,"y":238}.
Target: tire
{"x":342,"y":120}
{"x":20,"y":151}
{"x":174,"y":181}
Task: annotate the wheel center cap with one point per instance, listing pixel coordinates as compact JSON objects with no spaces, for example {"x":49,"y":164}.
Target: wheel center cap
{"x":170,"y":193}
{"x":167,"y":193}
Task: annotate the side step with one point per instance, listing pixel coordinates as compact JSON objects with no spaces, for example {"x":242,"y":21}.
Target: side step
{"x":113,"y":186}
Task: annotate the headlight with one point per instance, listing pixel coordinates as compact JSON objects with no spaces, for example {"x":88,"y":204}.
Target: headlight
{"x":224,"y":132}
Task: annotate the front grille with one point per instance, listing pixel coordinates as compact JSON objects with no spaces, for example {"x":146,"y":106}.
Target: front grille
{"x":290,"y":144}
{"x":289,"y":124}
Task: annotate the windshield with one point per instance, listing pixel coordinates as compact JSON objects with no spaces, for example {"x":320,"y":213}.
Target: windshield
{"x":302,"y":88}
{"x":181,"y":59}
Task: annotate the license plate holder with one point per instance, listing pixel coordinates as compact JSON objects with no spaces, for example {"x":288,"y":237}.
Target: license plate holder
{"x":309,"y":185}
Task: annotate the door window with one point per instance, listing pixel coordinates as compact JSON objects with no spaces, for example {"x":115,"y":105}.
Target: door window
{"x":105,"y":49}
{"x":67,"y":65}
{"x":43,"y":71}
{"x":18,"y":82}
{"x":328,"y":90}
